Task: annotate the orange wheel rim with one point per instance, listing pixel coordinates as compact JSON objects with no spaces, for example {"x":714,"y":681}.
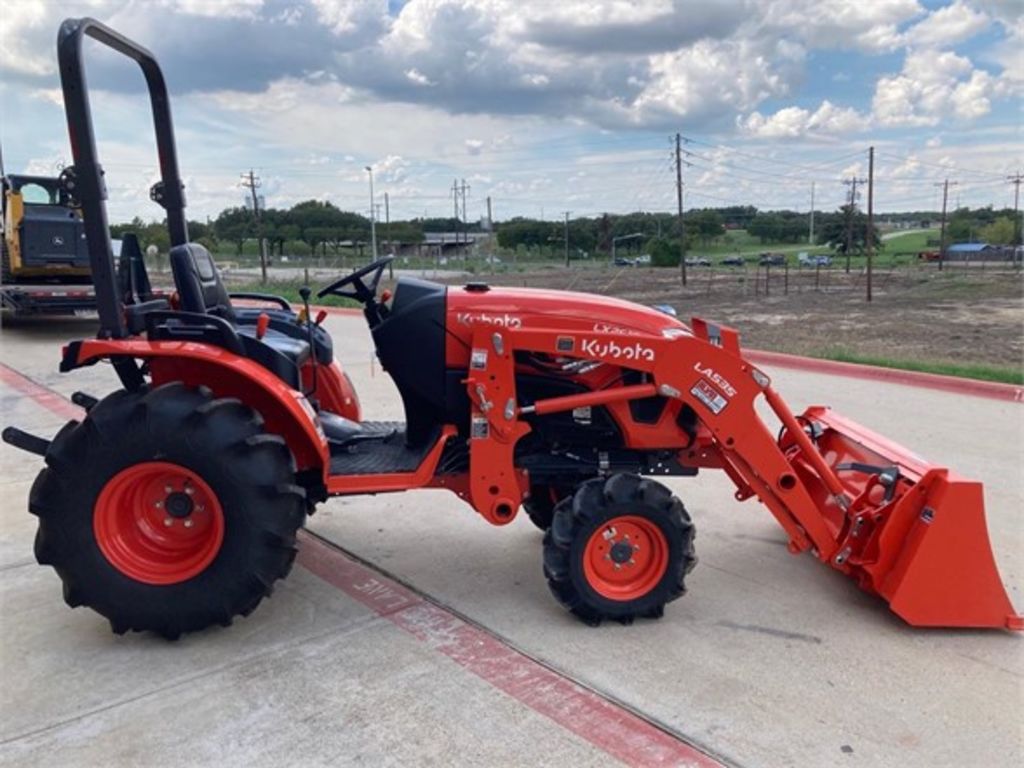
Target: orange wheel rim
{"x":158,"y":523}
{"x":625,"y":558}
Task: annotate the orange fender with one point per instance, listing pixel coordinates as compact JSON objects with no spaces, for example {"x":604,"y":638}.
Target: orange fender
{"x":285,"y":411}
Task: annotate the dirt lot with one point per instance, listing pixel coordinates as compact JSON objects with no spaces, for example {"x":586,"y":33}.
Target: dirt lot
{"x":960,"y":315}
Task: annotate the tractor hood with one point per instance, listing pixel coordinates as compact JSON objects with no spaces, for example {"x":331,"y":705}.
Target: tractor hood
{"x":541,"y":308}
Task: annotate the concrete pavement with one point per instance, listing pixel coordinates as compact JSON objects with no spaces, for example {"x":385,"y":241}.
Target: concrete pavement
{"x":769,"y":660}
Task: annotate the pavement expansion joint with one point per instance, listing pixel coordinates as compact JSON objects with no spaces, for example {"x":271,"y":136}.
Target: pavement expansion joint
{"x":601,"y":718}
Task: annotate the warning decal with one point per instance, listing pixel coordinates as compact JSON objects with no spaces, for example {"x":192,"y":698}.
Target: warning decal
{"x":710,"y":396}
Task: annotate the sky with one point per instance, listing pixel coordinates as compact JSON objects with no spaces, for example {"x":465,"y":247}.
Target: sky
{"x":542,"y":106}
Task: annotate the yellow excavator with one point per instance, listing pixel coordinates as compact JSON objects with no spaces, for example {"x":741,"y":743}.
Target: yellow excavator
{"x":45,"y":261}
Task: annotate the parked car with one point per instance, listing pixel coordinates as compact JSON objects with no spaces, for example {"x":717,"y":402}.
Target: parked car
{"x":698,"y":262}
{"x":623,"y":262}
{"x":807,"y":260}
{"x":772,"y":259}
{"x":733,"y":261}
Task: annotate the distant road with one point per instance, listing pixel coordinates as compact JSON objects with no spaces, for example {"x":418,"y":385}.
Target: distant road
{"x":901,"y":232}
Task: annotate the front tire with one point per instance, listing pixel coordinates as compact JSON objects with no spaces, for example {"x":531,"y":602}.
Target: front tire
{"x":619,"y":548}
{"x":167,"y":510}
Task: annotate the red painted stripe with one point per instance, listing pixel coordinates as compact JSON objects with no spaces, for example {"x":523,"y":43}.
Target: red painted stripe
{"x":988,"y":389}
{"x":47,"y":398}
{"x":602,"y":723}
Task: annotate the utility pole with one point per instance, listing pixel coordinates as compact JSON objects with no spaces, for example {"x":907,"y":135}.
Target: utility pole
{"x":869,"y":235}
{"x":1016,"y":180}
{"x":567,"y":236}
{"x":679,"y":205}
{"x":852,"y":184}
{"x":252,"y":182}
{"x":373,"y":216}
{"x":465,"y":223}
{"x":942,"y":231}
{"x":387,"y":235}
{"x":810,"y":234}
{"x":490,"y":220}
{"x":459,"y":193}
{"x":455,"y":204}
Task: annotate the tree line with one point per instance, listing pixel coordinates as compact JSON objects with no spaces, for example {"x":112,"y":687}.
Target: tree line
{"x":318,"y":226}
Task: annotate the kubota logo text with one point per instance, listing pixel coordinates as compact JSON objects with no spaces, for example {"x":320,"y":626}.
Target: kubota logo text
{"x":505,"y":321}
{"x":635,"y":351}
{"x":608,"y":328}
{"x":708,"y":371}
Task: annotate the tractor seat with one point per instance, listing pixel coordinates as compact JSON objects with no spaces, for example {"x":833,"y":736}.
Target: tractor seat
{"x":201,"y":291}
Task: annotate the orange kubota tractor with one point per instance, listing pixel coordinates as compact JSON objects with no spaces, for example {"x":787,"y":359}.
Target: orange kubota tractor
{"x":174,"y":504}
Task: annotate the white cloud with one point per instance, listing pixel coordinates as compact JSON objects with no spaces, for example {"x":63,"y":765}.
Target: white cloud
{"x":461,"y":87}
{"x":946,"y":26}
{"x":868,"y":25}
{"x":238,"y":9}
{"x":715,"y":77}
{"x":933,"y":86}
{"x":418,"y":77}
{"x":347,"y":16}
{"x":792,"y":122}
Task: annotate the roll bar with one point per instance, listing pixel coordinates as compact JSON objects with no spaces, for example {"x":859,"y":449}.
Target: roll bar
{"x":84,"y":180}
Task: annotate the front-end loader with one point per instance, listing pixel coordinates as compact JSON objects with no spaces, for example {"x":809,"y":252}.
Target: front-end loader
{"x":175,"y":502}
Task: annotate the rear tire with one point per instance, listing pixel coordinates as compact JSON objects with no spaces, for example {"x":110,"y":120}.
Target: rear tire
{"x":619,"y":548}
{"x":121,"y":544}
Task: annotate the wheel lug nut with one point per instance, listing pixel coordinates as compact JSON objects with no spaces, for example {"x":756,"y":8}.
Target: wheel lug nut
{"x":189,"y":490}
{"x":200,"y":508}
{"x":159,"y":505}
{"x":618,"y":567}
{"x":168,"y":489}
{"x":168,"y":521}
{"x":188,"y":523}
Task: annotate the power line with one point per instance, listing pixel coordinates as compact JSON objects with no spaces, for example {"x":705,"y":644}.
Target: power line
{"x":769,"y":158}
{"x":791,"y":177}
{"x":940,"y":166}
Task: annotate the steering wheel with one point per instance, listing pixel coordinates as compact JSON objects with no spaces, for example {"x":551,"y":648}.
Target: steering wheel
{"x":363,"y":292}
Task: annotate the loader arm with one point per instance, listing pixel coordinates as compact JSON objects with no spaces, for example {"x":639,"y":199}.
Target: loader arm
{"x":907,"y":531}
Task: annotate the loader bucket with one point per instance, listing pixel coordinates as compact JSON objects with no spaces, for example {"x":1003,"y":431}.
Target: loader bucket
{"x":912,"y":533}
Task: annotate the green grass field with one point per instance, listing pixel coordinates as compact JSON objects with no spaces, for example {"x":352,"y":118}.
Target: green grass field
{"x":1001,"y":374}
{"x":911,"y":242}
